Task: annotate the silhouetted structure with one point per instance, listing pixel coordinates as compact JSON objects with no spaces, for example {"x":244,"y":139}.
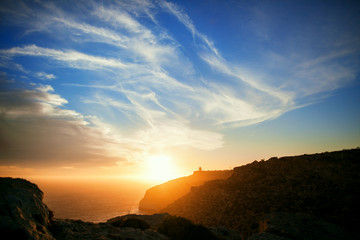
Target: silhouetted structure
{"x":160,"y":196}
{"x":323,"y":186}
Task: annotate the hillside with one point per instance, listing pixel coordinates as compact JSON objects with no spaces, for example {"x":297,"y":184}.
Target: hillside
{"x":324,"y":187}
{"x":158,"y":197}
{"x":310,"y":197}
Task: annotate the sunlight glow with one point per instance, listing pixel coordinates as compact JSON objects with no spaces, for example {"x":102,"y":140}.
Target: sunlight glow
{"x":160,"y":168}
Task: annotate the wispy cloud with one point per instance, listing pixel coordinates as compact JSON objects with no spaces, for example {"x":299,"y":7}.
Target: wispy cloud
{"x":225,"y":106}
{"x":67,"y":136}
{"x":316,"y":74}
{"x":73,"y":58}
{"x":147,"y":85}
{"x":99,"y":34}
{"x":160,"y":127}
{"x":188,"y":23}
{"x":45,"y":76}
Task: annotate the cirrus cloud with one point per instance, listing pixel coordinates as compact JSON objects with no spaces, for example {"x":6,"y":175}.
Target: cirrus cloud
{"x":135,"y":84}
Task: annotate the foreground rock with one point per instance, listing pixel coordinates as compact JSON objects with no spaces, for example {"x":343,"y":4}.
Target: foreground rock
{"x":304,"y":197}
{"x":182,"y":228}
{"x":281,"y":225}
{"x":23,"y":216}
{"x":153,"y":221}
{"x":78,"y":230}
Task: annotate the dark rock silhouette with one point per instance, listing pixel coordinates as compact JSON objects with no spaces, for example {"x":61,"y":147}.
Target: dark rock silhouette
{"x":23,"y":215}
{"x":153,"y":220}
{"x":131,"y":222}
{"x":160,"y":196}
{"x":302,"y":197}
{"x":325,"y":186}
{"x":66,"y":229}
{"x":178,"y":228}
{"x":298,"y":227}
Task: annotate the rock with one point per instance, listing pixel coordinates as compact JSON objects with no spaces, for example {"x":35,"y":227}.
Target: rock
{"x":178,"y":228}
{"x":153,"y":220}
{"x":160,"y":196}
{"x":225,"y":233}
{"x":300,"y":226}
{"x":302,"y":197}
{"x":132,"y":223}
{"x":324,"y":185}
{"x":266,"y":236}
{"x":23,"y":215}
{"x":79,"y":230}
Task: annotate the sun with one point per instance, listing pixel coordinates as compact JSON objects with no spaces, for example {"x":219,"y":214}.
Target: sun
{"x":160,"y":168}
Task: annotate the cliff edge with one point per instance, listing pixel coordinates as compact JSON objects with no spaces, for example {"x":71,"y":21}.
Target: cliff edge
{"x":160,"y":196}
{"x":23,"y":216}
{"x":321,"y":187}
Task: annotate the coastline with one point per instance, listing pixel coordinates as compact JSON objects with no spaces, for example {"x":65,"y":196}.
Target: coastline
{"x":92,"y":201}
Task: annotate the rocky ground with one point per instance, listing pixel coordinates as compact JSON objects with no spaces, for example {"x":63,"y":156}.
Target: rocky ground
{"x":321,"y":186}
{"x":160,"y":196}
{"x":24,"y":216}
{"x":308,"y":197}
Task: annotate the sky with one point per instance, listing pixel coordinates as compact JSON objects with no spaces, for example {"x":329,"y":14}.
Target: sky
{"x":159,"y":88}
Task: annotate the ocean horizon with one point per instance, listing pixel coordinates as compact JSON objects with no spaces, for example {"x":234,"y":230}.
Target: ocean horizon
{"x":92,"y":200}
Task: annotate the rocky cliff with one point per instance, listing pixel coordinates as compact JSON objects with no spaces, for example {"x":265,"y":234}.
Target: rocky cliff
{"x":289,"y":198}
{"x":322,"y":186}
{"x":23,"y":216}
{"x":160,"y":196}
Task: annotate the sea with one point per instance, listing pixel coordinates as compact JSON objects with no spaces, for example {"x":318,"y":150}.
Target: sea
{"x":92,"y":200}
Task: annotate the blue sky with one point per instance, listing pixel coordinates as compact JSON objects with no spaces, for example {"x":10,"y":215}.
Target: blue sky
{"x":106,"y":85}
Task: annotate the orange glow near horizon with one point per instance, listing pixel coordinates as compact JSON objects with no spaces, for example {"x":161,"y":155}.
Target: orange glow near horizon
{"x":160,"y":168}
{"x":154,"y":169}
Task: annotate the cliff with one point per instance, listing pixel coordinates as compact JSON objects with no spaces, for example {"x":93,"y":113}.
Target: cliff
{"x":290,"y":198}
{"x":160,"y":196}
{"x":322,"y":189}
{"x":23,"y":216}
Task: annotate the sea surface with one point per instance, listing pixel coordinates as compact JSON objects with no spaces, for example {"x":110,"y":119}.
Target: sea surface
{"x":92,"y":200}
